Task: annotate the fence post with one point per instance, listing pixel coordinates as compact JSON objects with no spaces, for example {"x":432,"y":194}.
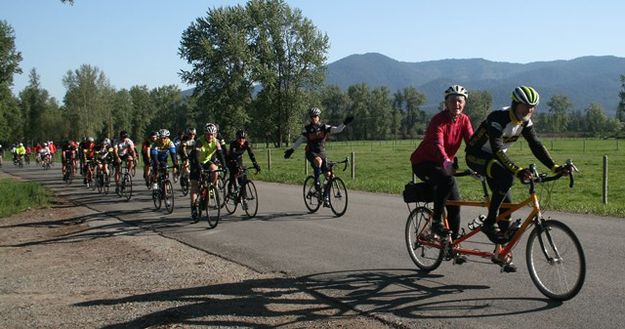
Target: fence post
{"x":605,"y":179}
{"x":353,"y":167}
{"x":268,"y":160}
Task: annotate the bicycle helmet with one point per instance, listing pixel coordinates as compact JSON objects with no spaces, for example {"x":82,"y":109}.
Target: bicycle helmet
{"x":154,"y":134}
{"x":525,"y":95}
{"x":106,"y":141}
{"x":241,"y":134}
{"x":190,"y":131}
{"x":89,"y":139}
{"x":456,"y":90}
{"x":123,"y":134}
{"x":163,"y":133}
{"x":210,"y":128}
{"x":314,"y":112}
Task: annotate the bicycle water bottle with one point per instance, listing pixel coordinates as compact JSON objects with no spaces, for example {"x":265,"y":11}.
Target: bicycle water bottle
{"x":477,"y":222}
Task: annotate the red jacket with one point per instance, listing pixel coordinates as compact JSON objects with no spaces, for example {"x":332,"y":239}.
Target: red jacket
{"x":443,"y":138}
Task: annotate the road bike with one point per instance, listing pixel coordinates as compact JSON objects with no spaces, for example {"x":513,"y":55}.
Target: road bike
{"x":89,"y":173}
{"x":124,"y":188}
{"x":184,"y":180}
{"x":554,"y":256}
{"x":68,"y":175}
{"x":208,"y":201}
{"x":163,"y":191}
{"x":101,"y":177}
{"x":244,"y":194}
{"x":331,"y":193}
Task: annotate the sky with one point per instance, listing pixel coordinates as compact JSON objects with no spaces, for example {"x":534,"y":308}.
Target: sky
{"x":135,"y":42}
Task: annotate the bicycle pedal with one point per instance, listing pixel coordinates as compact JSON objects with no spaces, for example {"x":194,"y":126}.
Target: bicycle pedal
{"x":459,"y":259}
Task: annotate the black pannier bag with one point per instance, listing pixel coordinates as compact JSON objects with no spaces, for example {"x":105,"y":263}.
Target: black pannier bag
{"x":419,"y":192}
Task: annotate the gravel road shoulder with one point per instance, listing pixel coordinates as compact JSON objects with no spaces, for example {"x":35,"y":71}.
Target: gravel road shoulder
{"x":70,"y":267}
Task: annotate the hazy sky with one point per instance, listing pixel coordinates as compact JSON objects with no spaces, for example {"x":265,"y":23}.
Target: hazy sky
{"x":135,"y":42}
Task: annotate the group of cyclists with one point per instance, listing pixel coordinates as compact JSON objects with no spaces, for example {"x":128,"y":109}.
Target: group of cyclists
{"x":189,"y":153}
{"x":22,"y":153}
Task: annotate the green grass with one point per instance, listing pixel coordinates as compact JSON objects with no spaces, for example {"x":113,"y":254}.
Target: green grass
{"x":384,"y":166}
{"x":17,"y":196}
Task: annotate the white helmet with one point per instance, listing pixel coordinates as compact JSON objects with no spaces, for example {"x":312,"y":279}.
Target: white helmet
{"x":314,"y":111}
{"x":163,"y":133}
{"x":456,"y":90}
{"x":210,"y":128}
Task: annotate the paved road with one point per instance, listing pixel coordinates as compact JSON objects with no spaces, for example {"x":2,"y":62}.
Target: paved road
{"x":360,"y":261}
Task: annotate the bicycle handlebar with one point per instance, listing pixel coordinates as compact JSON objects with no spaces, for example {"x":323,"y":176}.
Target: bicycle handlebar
{"x":345,"y":161}
{"x":543,"y":178}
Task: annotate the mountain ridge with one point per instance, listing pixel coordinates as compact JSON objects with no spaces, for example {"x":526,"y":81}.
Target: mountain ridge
{"x":585,"y":80}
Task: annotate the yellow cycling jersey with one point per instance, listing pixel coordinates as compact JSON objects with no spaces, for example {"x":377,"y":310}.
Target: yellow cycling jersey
{"x":206,"y":149}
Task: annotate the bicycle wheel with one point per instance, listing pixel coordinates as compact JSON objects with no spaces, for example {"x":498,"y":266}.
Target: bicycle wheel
{"x":555,"y":260}
{"x":424,"y":251}
{"x":156,"y":197}
{"x":249,"y":199}
{"x":168,"y":196}
{"x":221,"y":188}
{"x":126,"y":187}
{"x":337,"y":196}
{"x":184,"y":184}
{"x":230,"y":200}
{"x":212,"y":208}
{"x":312,"y":199}
{"x":99,"y":182}
{"x":105,"y":184}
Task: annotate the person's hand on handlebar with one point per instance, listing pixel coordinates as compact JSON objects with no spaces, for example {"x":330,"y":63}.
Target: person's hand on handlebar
{"x":525,"y":175}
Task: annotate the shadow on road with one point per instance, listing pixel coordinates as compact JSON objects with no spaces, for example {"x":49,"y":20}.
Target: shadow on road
{"x":414,"y":295}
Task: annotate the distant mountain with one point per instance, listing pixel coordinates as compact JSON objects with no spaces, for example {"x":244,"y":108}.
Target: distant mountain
{"x":585,"y":80}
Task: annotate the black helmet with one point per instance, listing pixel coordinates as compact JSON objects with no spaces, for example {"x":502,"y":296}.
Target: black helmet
{"x":123,"y":134}
{"x":241,"y":134}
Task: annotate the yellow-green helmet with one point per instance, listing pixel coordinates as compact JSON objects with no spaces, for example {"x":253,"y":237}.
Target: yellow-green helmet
{"x":526,"y":95}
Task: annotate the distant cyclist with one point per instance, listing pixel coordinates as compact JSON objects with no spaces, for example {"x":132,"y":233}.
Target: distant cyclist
{"x":314,"y":135}
{"x":124,"y":150}
{"x":234,"y":159}
{"x":145,"y":154}
{"x":161,"y":148}
{"x":68,"y":154}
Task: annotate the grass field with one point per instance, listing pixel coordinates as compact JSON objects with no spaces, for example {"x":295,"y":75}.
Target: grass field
{"x":384,"y":166}
{"x":17,"y":196}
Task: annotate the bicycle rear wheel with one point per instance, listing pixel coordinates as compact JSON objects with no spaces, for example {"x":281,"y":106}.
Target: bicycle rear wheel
{"x":555,"y":260}
{"x":126,"y":187}
{"x":337,"y":196}
{"x":424,"y":250}
{"x":168,"y":196}
{"x":230,"y":200}
{"x":105,"y":184}
{"x":212,"y":207}
{"x":311,"y":195}
{"x":249,"y":199}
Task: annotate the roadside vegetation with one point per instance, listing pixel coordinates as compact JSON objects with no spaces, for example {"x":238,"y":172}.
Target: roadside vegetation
{"x":17,"y":196}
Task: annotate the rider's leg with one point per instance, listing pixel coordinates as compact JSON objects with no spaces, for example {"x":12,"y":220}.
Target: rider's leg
{"x":499,"y":182}
{"x":317,"y":161}
{"x":441,"y":184}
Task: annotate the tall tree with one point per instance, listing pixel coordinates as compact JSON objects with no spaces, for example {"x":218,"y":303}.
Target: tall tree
{"x":560,"y":108}
{"x":34,"y":102}
{"x":10,"y":119}
{"x":265,"y":46}
{"x":381,"y":110}
{"x":87,"y":100}
{"x":620,"y":111}
{"x":409,"y":101}
{"x":167,"y":102}
{"x":359,"y":95}
{"x":142,"y":113}
{"x":479,"y":105}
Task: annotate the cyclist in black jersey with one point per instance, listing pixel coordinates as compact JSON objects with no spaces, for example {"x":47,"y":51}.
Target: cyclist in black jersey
{"x":234,"y":159}
{"x":486,"y":154}
{"x":315,"y":135}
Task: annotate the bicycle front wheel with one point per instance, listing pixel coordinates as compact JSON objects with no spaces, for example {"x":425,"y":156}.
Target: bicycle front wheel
{"x":311,"y":195}
{"x":338,"y":196}
{"x":99,"y":182}
{"x":555,"y":260}
{"x":156,"y":197}
{"x":212,"y":207}
{"x":168,"y":196}
{"x":249,"y":199}
{"x":230,"y":199}
{"x":424,"y":250}
{"x":184,"y":184}
{"x":126,"y":187}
